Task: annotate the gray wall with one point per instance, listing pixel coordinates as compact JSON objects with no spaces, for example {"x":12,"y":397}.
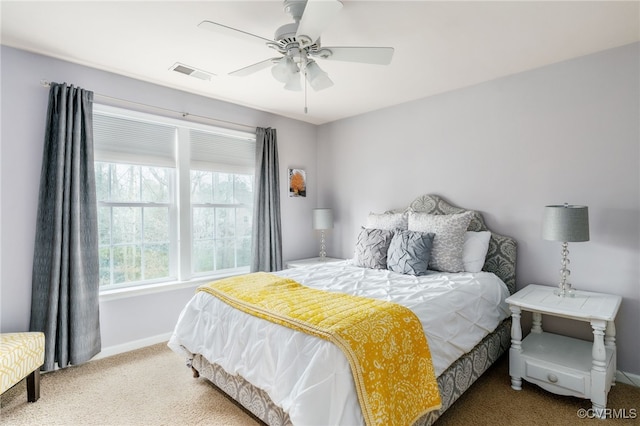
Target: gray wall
{"x":568,"y":132}
{"x":24,"y":105}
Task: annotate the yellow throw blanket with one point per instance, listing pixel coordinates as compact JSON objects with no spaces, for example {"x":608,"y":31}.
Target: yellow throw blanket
{"x":383,"y":341}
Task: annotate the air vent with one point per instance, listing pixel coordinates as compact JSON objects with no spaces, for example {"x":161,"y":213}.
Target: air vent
{"x":191,"y":71}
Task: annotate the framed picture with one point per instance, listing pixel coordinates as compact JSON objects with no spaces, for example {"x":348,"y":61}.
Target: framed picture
{"x":297,"y":183}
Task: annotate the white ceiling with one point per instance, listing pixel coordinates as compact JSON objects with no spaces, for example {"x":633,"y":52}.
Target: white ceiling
{"x":439,"y":46}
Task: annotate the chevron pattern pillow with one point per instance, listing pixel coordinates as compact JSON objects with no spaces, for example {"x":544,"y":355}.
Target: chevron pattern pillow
{"x":409,"y":252}
{"x":371,"y":248}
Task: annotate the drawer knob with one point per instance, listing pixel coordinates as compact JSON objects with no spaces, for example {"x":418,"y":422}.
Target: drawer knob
{"x":552,"y":378}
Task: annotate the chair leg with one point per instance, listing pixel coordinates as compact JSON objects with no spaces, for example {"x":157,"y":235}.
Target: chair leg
{"x":33,"y":385}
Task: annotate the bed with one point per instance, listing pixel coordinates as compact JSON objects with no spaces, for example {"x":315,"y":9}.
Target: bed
{"x":285,"y":377}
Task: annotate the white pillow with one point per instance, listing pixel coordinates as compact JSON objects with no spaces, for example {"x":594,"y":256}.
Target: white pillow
{"x":446,"y":253}
{"x":474,"y":252}
{"x":387,"y":221}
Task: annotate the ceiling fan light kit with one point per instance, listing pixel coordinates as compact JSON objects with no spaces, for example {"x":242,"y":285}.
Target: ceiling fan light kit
{"x":299,"y":44}
{"x":284,"y":69}
{"x":317,"y":78}
{"x":294,"y":84}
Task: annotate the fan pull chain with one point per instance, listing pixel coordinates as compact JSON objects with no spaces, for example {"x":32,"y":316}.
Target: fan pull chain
{"x":303,"y":68}
{"x":305,"y":93}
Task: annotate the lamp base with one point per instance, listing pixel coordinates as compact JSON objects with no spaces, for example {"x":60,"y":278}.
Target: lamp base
{"x":564,"y":292}
{"x":564,"y":288}
{"x":323,"y":247}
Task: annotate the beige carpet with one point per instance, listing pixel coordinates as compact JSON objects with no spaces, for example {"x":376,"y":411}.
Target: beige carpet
{"x":152,"y":386}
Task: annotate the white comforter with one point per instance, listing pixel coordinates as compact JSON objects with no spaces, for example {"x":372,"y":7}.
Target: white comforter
{"x":310,"y":377}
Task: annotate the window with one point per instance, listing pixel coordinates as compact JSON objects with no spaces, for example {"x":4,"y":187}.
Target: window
{"x":175,"y":199}
{"x":134,"y":217}
{"x":221,"y":219}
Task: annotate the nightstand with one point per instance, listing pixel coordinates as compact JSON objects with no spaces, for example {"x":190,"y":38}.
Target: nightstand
{"x":311,"y":262}
{"x":561,"y":364}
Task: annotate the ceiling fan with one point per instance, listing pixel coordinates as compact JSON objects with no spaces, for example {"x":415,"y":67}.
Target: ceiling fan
{"x":299,"y":46}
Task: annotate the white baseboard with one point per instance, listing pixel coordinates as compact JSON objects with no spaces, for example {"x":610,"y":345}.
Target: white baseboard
{"x":628,"y":378}
{"x":130,"y":346}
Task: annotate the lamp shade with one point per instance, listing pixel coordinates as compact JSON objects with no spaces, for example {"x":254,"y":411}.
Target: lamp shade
{"x":284,"y":69}
{"x":322,"y":219}
{"x":566,"y":223}
{"x":318,"y":79}
{"x":294,"y":83}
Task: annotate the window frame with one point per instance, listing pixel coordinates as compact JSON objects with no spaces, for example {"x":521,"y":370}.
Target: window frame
{"x":180,"y":207}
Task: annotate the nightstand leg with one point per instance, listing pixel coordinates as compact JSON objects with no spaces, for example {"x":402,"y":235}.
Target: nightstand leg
{"x":610,"y":343}
{"x":536,"y":324}
{"x":599,"y":388}
{"x":515,"y":352}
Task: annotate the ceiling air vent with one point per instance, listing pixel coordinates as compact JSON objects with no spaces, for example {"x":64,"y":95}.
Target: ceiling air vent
{"x":191,"y":71}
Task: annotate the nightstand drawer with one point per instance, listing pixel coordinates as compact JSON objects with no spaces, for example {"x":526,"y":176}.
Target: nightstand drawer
{"x":551,"y":376}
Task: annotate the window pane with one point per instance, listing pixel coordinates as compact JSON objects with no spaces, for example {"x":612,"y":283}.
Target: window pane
{"x":126,"y":225}
{"x":156,"y":224}
{"x":222,"y":188}
{"x":155,"y":184}
{"x":105,"y":265}
{"x":202,"y":256}
{"x":127,"y":264}
{"x":201,"y":187}
{"x":243,"y":222}
{"x":104,"y":225}
{"x":203,"y":223}
{"x":243,"y":189}
{"x":243,"y":234}
{"x":156,"y":261}
{"x":243,"y":252}
{"x":225,"y":222}
{"x":125,"y":183}
{"x":225,"y":253}
{"x":102,"y":181}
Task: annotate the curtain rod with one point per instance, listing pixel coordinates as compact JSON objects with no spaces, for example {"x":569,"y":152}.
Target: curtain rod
{"x":46,"y":83}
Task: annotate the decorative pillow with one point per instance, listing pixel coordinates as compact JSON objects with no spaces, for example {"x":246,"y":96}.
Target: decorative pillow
{"x":474,"y":252}
{"x":388,"y":221}
{"x":371,"y":248}
{"x":446,"y":253}
{"x":409,"y":252}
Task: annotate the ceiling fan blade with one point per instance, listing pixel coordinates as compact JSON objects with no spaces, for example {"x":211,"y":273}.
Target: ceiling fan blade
{"x":366,"y":55}
{"x":233,"y":32}
{"x":258,"y":66}
{"x":317,"y":16}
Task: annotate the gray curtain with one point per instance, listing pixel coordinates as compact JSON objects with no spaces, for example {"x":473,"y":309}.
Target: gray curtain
{"x":65,"y":281}
{"x":267,"y":236}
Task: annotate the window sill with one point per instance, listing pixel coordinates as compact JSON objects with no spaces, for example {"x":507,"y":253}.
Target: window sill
{"x":142,"y":290}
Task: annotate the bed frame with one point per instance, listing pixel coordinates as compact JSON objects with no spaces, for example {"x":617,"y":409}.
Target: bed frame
{"x":453,"y":382}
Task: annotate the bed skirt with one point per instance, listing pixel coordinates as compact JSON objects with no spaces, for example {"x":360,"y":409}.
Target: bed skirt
{"x":452,"y":382}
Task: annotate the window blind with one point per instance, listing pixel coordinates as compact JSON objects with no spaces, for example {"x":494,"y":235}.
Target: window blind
{"x":118,"y":139}
{"x":221,"y":153}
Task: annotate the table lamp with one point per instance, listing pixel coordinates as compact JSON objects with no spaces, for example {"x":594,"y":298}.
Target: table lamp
{"x":565,"y":223}
{"x":322,"y":220}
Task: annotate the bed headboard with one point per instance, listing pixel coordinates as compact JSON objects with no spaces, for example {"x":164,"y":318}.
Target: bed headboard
{"x":501,"y":257}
